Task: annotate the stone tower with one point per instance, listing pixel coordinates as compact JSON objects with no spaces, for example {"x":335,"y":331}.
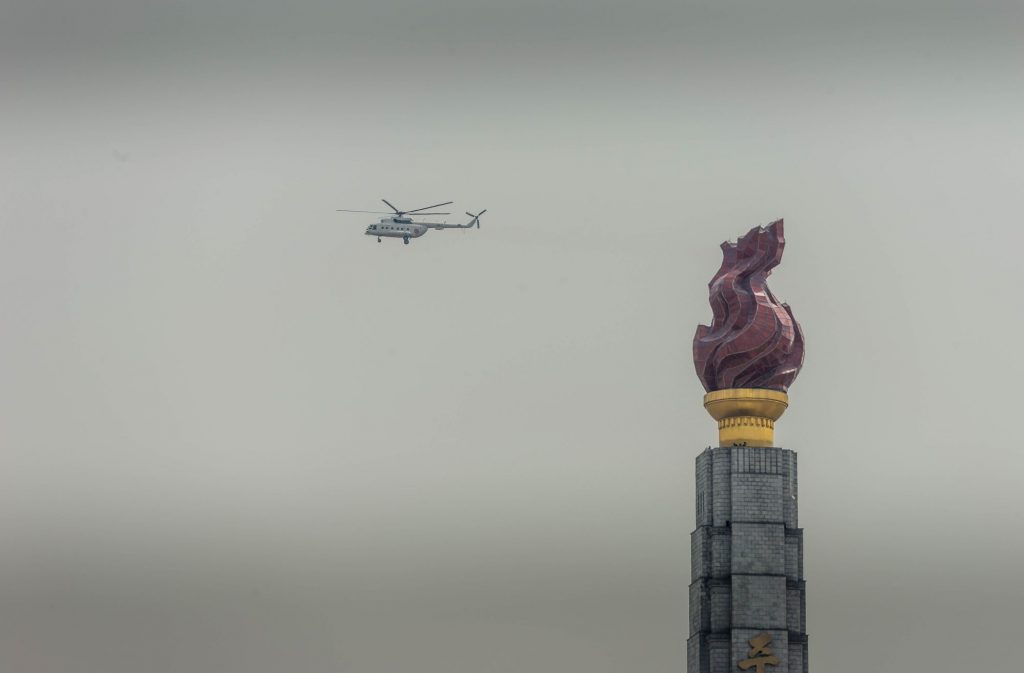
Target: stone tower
{"x":747,"y":594}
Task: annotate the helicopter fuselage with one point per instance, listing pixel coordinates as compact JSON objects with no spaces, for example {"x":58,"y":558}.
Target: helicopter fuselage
{"x":396,"y":227}
{"x":402,"y":225}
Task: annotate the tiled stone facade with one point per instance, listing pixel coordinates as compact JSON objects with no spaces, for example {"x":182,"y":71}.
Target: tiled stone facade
{"x":746,"y":561}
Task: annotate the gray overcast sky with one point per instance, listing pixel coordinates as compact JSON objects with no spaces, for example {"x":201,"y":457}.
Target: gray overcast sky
{"x":239,"y":436}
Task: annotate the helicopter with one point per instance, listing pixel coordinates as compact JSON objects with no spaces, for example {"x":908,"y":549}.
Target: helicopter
{"x":398,"y":224}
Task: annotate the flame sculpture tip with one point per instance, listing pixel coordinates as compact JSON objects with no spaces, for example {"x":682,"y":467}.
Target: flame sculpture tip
{"x":753,"y":341}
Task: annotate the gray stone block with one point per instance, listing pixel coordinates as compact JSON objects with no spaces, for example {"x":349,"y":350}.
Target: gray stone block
{"x":757,"y":497}
{"x":794,"y":554}
{"x":721,"y":552}
{"x":758,"y":548}
{"x":759,"y":601}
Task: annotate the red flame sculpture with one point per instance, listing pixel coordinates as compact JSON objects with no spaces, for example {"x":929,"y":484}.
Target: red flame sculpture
{"x":754,"y":341}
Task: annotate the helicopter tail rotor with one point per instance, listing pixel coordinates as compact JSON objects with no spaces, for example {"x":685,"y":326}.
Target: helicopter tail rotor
{"x":476,"y":218}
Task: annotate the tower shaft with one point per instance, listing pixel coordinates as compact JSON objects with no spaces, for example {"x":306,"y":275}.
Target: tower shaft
{"x":747,"y":564}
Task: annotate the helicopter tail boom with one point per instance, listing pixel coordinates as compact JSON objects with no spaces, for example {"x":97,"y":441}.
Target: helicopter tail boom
{"x":474,"y":220}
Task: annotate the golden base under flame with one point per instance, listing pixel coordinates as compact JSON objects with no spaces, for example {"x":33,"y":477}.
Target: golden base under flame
{"x":746,"y":415}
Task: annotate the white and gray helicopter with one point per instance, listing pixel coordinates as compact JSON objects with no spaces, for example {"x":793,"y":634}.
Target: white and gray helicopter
{"x":399,"y":225}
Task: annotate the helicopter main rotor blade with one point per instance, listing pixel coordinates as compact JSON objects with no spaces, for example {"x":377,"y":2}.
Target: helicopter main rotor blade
{"x":418,"y":214}
{"x":392,"y":207}
{"x":376,"y":212}
{"x":425,"y":207}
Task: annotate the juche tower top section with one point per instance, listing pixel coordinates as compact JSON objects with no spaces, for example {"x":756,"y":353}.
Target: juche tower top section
{"x":754,"y":348}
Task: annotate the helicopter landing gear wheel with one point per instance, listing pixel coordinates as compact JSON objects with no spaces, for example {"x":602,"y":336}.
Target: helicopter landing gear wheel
{"x":405,"y":239}
{"x":378,"y":239}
